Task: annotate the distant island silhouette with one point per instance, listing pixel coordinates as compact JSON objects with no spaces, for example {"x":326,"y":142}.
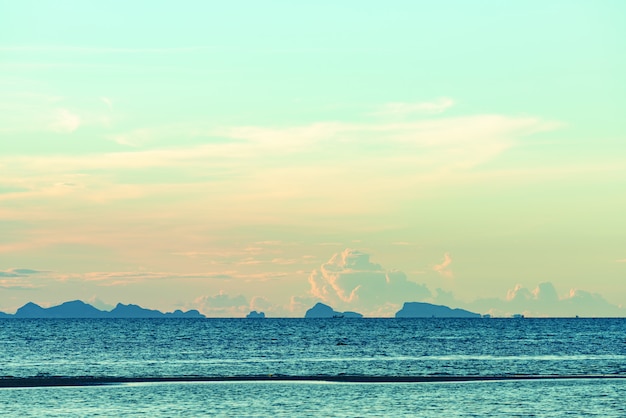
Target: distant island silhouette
{"x":428,"y":310}
{"x":321,"y":310}
{"x":80,"y":309}
{"x":409,"y":310}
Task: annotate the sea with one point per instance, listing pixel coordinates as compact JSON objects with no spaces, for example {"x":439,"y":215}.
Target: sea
{"x":339,"y":367}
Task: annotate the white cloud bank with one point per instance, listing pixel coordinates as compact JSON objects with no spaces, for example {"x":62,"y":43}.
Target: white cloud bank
{"x":544,"y":300}
{"x":349,"y":281}
{"x":222,"y":305}
{"x":226,"y":306}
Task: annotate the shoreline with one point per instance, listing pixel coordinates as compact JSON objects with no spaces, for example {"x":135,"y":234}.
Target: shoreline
{"x":60,"y":381}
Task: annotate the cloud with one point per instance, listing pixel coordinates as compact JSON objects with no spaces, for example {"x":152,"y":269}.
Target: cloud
{"x":101,"y":50}
{"x":13,"y":285}
{"x":443,"y":268}
{"x":259,"y":303}
{"x":128,"y":277}
{"x":135,"y":138}
{"x":400,"y":109}
{"x":223,"y":305}
{"x":269,"y":242}
{"x":96,"y":302}
{"x":518,"y":293}
{"x":544,"y":300}
{"x":20,"y":272}
{"x":285,"y":261}
{"x":545,"y":292}
{"x":408,"y":155}
{"x":107,"y":102}
{"x":64,"y":121}
{"x":349,"y":281}
{"x":443,"y":297}
{"x":18,"y":279}
{"x":299,"y":304}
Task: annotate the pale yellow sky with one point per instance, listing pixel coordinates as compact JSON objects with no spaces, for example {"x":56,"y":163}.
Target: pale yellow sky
{"x":214,"y":159}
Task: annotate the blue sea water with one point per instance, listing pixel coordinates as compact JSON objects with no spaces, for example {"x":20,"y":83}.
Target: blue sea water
{"x":314,"y":349}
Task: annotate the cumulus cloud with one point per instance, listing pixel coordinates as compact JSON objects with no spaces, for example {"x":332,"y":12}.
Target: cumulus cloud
{"x":350,"y":281}
{"x":443,"y":297}
{"x":444,"y":268}
{"x":544,"y":300}
{"x":96,"y":302}
{"x":545,"y":292}
{"x":222,"y":305}
{"x":259,"y":303}
{"x":299,"y":304}
{"x":581,"y":302}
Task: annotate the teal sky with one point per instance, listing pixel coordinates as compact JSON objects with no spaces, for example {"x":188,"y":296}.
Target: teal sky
{"x":270,"y":154}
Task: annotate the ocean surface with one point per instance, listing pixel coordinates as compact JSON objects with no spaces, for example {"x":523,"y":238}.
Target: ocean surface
{"x":313,"y":367}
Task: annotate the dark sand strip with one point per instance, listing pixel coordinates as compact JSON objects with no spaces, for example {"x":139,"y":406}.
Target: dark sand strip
{"x":51,"y":381}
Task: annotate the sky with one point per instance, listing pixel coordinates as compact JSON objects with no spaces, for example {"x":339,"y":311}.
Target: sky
{"x":268,"y":155}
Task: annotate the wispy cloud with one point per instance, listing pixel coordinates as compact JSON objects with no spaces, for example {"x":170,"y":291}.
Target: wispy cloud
{"x":401,"y":109}
{"x":107,"y":101}
{"x":100,"y":50}
{"x":461,"y":142}
{"x":123,"y":278}
{"x":65,"y":121}
{"x":319,"y":174}
{"x":135,"y":138}
{"x":20,"y":279}
{"x":16,"y":285}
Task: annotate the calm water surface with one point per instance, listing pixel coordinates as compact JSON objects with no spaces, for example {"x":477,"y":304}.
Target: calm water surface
{"x":298,"y":347}
{"x":602,"y":398}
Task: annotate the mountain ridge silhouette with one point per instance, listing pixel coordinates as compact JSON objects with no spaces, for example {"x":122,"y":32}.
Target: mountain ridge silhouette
{"x":79,"y":309}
